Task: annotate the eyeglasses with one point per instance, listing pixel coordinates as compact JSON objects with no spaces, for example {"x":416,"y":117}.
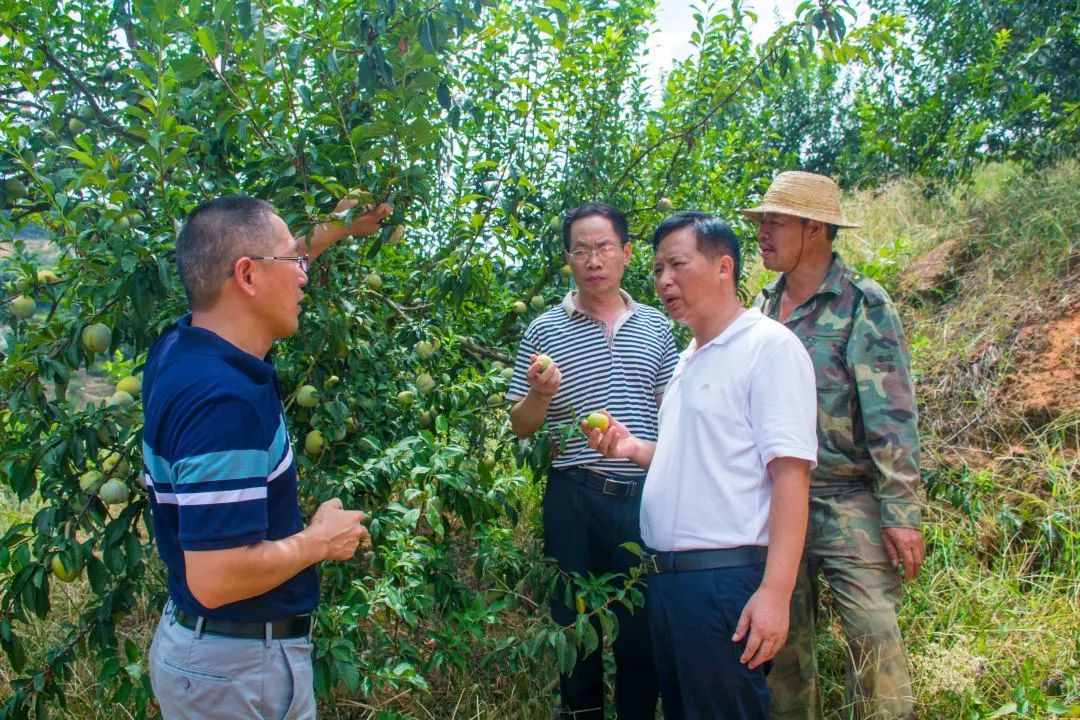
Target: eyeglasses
{"x":604,"y":252}
{"x":302,"y":261}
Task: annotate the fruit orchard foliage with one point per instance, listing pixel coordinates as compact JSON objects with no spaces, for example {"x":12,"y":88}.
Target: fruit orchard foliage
{"x":480,"y":122}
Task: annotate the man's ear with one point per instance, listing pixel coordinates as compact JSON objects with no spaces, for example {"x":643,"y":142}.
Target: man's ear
{"x":241,"y":276}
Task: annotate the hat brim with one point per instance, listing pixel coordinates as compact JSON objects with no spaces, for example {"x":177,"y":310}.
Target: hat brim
{"x":755,"y":214}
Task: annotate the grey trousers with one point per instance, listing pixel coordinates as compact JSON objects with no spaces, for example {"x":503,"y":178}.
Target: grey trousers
{"x":229,"y":678}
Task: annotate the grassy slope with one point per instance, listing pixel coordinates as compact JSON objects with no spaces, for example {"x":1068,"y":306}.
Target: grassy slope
{"x":992,"y":619}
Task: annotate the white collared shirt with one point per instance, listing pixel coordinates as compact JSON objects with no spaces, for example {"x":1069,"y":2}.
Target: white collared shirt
{"x":732,"y":406}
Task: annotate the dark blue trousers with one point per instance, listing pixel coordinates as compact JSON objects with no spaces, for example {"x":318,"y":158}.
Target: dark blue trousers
{"x":693,"y":615}
{"x":583,"y":529}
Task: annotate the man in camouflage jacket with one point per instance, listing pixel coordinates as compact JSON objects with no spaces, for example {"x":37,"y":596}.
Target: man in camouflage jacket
{"x":865,"y":512}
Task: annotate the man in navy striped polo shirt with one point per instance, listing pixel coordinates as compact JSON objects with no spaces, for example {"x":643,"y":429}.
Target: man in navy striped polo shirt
{"x":610,"y":353}
{"x":234,"y":641}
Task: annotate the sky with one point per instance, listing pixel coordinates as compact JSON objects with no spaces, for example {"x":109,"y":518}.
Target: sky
{"x":670,"y":40}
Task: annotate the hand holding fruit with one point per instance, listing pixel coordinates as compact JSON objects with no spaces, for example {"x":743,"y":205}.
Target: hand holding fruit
{"x":367,"y":222}
{"x":543,"y":375}
{"x":342,"y":529}
{"x":608,"y":436}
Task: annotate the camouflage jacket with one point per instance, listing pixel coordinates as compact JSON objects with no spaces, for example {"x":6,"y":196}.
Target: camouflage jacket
{"x":867,"y":433}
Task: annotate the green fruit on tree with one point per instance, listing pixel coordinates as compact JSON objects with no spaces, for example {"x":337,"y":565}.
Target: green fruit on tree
{"x":498,"y":365}
{"x":130,"y":384}
{"x":76,"y":126}
{"x":520,"y":308}
{"x":332,"y":381}
{"x":423,"y":349}
{"x":495,"y":399}
{"x":47,"y":277}
{"x":427,"y":419}
{"x":489,"y":461}
{"x":89,"y":480}
{"x":313,"y":443}
{"x":425,"y":383}
{"x":537,"y":302}
{"x":121,"y":224}
{"x":405,"y":397}
{"x":567,"y":271}
{"x":307,"y":396}
{"x":507,"y":373}
{"x":665,"y":204}
{"x":96,"y":338}
{"x":396,"y":235}
{"x":121,"y":401}
{"x":555,"y":224}
{"x":374,"y":281}
{"x":116,"y":465}
{"x":23,"y":307}
{"x":114,"y":492}
{"x":15,"y":189}
{"x":361,"y":196}
{"x":545,"y":361}
{"x":65,"y":570}
{"x":597,"y":421}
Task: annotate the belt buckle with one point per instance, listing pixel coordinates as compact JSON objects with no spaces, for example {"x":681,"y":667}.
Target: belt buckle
{"x":612,"y":486}
{"x":649,"y":561}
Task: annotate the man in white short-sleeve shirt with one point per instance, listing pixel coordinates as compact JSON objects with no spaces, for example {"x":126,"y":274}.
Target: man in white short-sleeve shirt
{"x":724,"y":510}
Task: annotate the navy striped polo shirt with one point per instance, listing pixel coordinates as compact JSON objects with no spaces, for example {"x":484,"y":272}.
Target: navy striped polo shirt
{"x":219,"y":465}
{"x":622,"y":374}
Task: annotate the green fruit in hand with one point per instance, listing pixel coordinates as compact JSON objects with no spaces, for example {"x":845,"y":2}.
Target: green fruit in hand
{"x":96,"y":338}
{"x":130,"y":384}
{"x":89,"y":480}
{"x":121,"y":400}
{"x":520,"y":308}
{"x":425,"y":383}
{"x":15,"y":188}
{"x":76,"y":126}
{"x":537,"y":302}
{"x":361,"y":196}
{"x":47,"y":277}
{"x":423,"y":349}
{"x":545,"y":361}
{"x":64,"y":569}
{"x":307,"y":396}
{"x":314,"y":443}
{"x":665,"y":204}
{"x":597,"y":421}
{"x":114,"y":492}
{"x":23,"y":307}
{"x":405,"y":397}
{"x":374,"y":281}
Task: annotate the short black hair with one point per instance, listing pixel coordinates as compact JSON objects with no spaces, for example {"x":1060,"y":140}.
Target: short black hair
{"x":589,"y":209}
{"x":214,"y":235}
{"x":714,"y":236}
{"x":830,"y":229}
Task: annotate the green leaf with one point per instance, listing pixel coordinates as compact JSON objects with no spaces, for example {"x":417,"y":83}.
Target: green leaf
{"x":428,"y":34}
{"x":206,"y":41}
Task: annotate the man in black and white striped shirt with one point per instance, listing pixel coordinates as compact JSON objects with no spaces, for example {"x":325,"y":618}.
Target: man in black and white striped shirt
{"x":609,"y":353}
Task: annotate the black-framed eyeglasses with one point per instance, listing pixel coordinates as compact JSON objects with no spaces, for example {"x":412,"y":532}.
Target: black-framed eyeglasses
{"x":302,"y":261}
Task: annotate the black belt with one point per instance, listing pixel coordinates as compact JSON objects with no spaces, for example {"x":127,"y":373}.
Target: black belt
{"x":609,"y":485}
{"x":703,"y":559}
{"x":294,"y":627}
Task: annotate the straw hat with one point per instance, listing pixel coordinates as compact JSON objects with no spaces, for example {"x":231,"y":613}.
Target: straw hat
{"x":802,"y":194}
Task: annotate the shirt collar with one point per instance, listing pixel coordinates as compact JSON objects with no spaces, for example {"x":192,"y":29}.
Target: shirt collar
{"x":205,"y":342}
{"x":570,"y":305}
{"x":745,"y":320}
{"x":831,"y":285}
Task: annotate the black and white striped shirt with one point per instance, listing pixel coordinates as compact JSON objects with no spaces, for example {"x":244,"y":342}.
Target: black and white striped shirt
{"x":622,"y":374}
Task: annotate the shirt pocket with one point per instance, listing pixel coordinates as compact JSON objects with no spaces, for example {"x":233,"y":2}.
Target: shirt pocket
{"x":835,"y":393}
